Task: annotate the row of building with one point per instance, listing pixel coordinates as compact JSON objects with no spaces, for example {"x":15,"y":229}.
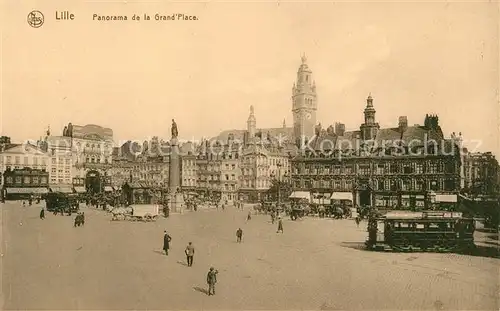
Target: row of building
{"x":399,"y":167}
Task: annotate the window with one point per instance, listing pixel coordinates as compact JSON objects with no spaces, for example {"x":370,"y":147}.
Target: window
{"x":9,"y":180}
{"x":434,"y":185}
{"x":419,"y":168}
{"x":380,"y":185}
{"x":406,"y":185}
{"x":54,"y":160}
{"x":18,"y":180}
{"x":419,"y":185}
{"x":336,"y":170}
{"x":380,"y":169}
{"x":227,"y":177}
{"x":53,"y":170}
{"x":432,"y":167}
{"x":336,"y":185}
{"x":348,"y":169}
{"x":68,"y":161}
{"x":8,"y":159}
{"x":26,"y":180}
{"x":35,"y":161}
{"x":44,"y":161}
{"x":394,"y":168}
{"x":364,"y":169}
{"x":18,"y":160}
{"x":407,"y":168}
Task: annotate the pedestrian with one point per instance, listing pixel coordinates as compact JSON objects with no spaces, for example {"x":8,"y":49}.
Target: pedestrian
{"x":280,"y":225}
{"x":24,"y":203}
{"x":357,"y":220}
{"x":239,"y":235}
{"x":82,"y":219}
{"x":211,"y":280}
{"x":273,"y":217}
{"x":189,"y":254}
{"x":166,"y":242}
{"x":249,"y":217}
{"x":77,"y":221}
{"x":42,"y":213}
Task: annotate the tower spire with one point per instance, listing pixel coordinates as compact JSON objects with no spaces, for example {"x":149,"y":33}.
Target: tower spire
{"x":304,"y":58}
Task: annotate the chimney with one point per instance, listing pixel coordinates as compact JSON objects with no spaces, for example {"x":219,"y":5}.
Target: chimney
{"x":403,"y":123}
{"x":339,"y":129}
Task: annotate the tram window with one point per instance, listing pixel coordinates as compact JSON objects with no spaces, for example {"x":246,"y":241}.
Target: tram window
{"x":420,"y":226}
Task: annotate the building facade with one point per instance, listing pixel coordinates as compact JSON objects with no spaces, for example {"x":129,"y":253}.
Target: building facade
{"x":481,"y":173}
{"x":19,"y":156}
{"x":406,"y":167}
{"x":91,"y":149}
{"x":25,"y":183}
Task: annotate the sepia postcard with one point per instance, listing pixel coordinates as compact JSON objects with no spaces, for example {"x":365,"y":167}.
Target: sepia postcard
{"x":249,"y":155}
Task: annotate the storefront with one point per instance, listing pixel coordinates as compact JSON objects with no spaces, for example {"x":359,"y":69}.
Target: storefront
{"x":301,"y":195}
{"x":12,"y":193}
{"x":343,"y":198}
{"x":62,"y":189}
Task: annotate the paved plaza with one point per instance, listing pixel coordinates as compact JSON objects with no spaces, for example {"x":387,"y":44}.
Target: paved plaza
{"x":316,"y":264}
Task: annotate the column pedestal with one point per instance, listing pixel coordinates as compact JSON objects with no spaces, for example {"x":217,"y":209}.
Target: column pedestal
{"x":176,"y":203}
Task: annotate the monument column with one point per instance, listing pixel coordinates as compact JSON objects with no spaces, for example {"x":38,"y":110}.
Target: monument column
{"x":176,"y":200}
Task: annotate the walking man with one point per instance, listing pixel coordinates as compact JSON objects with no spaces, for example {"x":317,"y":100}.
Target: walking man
{"x":211,"y":280}
{"x":357,"y":220}
{"x":42,"y":213}
{"x":239,"y":235}
{"x":280,"y":225}
{"x":249,"y":217}
{"x":166,"y":242}
{"x":189,"y":254}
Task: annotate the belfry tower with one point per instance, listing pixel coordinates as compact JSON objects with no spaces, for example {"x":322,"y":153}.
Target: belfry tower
{"x":304,"y":103}
{"x":369,"y":128}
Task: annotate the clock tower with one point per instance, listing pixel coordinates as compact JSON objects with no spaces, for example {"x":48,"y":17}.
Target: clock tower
{"x":304,"y":103}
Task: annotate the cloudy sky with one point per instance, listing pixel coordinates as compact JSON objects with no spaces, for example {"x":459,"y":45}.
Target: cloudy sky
{"x":135,"y":76}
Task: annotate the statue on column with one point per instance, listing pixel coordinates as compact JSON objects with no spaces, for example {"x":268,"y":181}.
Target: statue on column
{"x":175,"y":132}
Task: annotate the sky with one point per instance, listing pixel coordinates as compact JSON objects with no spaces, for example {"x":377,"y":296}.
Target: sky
{"x":135,"y":76}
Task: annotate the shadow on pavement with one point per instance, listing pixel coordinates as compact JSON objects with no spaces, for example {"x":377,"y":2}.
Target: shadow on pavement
{"x":182,"y":263}
{"x":201,"y":290}
{"x":478,"y":251}
{"x":354,"y":245}
{"x":159,"y":252}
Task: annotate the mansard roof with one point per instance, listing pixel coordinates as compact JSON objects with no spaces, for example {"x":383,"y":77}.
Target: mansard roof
{"x":415,"y":137}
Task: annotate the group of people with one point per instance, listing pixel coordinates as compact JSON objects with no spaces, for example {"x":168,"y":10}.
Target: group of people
{"x":189,"y":251}
{"x":212,"y":273}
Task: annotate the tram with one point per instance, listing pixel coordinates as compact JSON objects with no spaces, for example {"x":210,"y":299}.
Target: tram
{"x":421,"y":231}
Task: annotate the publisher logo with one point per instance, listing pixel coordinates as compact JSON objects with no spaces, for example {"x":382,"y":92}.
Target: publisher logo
{"x":35,"y":19}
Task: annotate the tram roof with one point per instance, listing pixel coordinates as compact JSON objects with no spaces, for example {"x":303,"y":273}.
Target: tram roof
{"x":421,"y":215}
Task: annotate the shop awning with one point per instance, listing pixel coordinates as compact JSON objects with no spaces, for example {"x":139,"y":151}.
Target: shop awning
{"x":446,"y":198}
{"x":34,"y":190}
{"x":342,"y":196}
{"x":80,"y":189}
{"x":300,"y":195}
{"x":108,"y":189}
{"x":61,"y":189}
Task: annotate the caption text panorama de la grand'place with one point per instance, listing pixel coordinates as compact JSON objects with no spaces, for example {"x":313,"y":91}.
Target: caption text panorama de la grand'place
{"x":66,"y":15}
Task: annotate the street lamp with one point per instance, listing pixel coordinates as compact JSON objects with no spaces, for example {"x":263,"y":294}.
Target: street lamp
{"x":279,"y":186}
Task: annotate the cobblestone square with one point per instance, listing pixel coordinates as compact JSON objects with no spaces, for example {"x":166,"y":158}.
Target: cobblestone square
{"x":314,"y":264}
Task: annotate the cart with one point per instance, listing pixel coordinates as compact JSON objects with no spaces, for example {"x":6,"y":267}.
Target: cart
{"x":136,"y":212}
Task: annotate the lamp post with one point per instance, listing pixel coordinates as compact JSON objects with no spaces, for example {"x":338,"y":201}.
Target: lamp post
{"x":279,"y":186}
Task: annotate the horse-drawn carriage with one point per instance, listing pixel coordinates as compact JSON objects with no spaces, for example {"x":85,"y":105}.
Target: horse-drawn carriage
{"x":136,"y":212}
